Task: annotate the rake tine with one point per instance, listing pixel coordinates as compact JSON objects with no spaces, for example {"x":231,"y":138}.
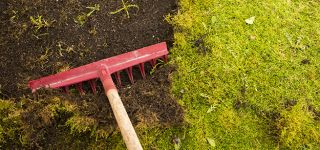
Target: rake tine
{"x":142,"y":71}
{"x":118,"y":78}
{"x":79,"y":88}
{"x":129,"y":72}
{"x":93,"y":86}
{"x":165,"y":58}
{"x":153,"y":62}
{"x":66,"y":89}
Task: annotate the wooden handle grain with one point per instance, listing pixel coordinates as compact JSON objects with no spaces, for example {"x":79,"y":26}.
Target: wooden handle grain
{"x":128,"y":133}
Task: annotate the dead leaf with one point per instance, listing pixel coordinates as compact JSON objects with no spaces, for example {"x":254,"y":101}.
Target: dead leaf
{"x":250,"y":20}
{"x":211,"y":142}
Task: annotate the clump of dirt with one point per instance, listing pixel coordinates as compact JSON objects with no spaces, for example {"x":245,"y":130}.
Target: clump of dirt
{"x":290,"y":103}
{"x":315,"y":112}
{"x":305,"y":61}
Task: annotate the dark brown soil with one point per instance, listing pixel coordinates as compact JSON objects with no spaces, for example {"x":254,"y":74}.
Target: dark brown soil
{"x":29,"y":53}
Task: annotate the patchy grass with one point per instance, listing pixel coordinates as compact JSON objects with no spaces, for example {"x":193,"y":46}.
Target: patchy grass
{"x":238,"y":82}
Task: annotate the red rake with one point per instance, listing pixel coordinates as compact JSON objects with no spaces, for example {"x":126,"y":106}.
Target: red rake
{"x":103,"y":69}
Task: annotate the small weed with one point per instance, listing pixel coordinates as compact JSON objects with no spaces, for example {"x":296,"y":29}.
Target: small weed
{"x":44,"y":58}
{"x":161,"y":62}
{"x":64,"y":68}
{"x":38,"y":22}
{"x":83,"y":124}
{"x":125,"y":7}
{"x":93,"y":31}
{"x":82,"y":19}
{"x":14,"y":16}
{"x":69,"y":49}
{"x":96,"y":7}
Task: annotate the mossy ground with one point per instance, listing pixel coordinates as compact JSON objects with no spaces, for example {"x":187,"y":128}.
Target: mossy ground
{"x":248,"y":86}
{"x":242,"y":86}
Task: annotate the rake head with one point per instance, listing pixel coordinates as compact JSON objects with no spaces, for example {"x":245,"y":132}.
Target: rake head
{"x":113,"y":65}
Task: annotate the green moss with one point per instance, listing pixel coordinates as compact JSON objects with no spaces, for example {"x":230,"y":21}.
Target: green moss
{"x":10,"y":124}
{"x":83,"y":18}
{"x":222,"y":60}
{"x":81,"y":124}
{"x":298,"y":128}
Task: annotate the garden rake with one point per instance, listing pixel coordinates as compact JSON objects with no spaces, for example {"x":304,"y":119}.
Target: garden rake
{"x":103,"y":69}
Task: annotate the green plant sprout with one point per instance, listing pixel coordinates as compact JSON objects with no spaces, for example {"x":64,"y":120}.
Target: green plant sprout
{"x":93,"y":9}
{"x":161,"y":62}
{"x":43,"y":59}
{"x":125,"y":7}
{"x":14,"y":17}
{"x":93,"y":31}
{"x":39,"y":22}
{"x":82,"y":19}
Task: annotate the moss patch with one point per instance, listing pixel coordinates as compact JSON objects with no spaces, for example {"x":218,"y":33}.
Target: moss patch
{"x":237,"y":81}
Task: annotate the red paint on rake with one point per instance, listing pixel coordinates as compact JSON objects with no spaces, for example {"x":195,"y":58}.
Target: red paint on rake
{"x":113,"y":64}
{"x":103,"y":69}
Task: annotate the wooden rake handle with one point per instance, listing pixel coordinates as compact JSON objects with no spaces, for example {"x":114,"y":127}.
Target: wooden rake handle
{"x":128,"y":133}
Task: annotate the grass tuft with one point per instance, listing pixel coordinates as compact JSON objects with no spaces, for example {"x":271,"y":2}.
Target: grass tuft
{"x":39,"y":23}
